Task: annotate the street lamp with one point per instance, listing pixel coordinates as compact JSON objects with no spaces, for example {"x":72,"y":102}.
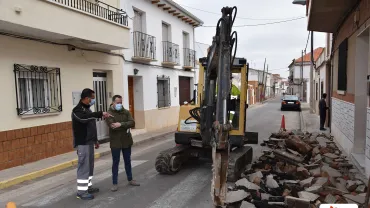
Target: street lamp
{"x":301,"y":2}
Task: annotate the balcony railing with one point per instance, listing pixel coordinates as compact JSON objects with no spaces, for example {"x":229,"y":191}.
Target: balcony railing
{"x":144,"y":46}
{"x":189,"y":58}
{"x":97,"y":8}
{"x":171,"y":53}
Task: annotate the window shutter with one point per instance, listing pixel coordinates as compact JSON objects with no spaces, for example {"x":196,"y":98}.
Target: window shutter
{"x":342,"y":65}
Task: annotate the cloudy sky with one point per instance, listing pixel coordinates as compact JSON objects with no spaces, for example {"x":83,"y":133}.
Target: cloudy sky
{"x":278,"y":43}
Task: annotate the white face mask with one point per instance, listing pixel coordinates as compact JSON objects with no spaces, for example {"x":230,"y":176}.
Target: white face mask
{"x":118,"y":106}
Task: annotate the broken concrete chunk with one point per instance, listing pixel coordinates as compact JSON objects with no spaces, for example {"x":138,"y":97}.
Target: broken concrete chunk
{"x":295,"y":143}
{"x":331,"y":171}
{"x":307,"y":182}
{"x":265,"y":196}
{"x":351,"y":185}
{"x":330,"y":199}
{"x":321,"y":181}
{"x":313,"y":189}
{"x":315,"y":172}
{"x":307,"y":195}
{"x":293,"y":202}
{"x":287,"y":157}
{"x":361,"y":189}
{"x":359,"y":182}
{"x":331,"y":156}
{"x":254,"y":175}
{"x":271,"y":183}
{"x":246,"y":204}
{"x":341,"y":187}
{"x":236,"y":196}
{"x":293,"y":152}
{"x":246,"y":184}
{"x":358,"y":198}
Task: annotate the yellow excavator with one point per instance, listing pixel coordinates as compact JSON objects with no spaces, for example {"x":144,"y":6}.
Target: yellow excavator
{"x":215,"y":125}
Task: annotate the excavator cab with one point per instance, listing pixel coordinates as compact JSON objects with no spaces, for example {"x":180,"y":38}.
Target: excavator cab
{"x":189,"y":129}
{"x":188,"y":137}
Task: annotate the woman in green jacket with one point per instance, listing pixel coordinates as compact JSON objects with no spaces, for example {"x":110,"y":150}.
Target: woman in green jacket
{"x":120,"y":139}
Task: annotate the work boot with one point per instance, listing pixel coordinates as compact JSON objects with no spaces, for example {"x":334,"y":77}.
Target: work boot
{"x":85,"y":196}
{"x":322,"y":129}
{"x":92,"y":190}
{"x":114,"y":188}
{"x":133,"y":183}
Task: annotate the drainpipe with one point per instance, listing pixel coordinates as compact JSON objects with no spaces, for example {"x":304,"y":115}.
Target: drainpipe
{"x":311,"y":75}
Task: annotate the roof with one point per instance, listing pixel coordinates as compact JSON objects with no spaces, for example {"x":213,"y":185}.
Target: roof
{"x":307,"y":58}
{"x":178,"y":11}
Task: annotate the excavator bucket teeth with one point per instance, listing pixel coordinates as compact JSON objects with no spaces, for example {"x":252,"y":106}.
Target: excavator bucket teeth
{"x":251,"y":137}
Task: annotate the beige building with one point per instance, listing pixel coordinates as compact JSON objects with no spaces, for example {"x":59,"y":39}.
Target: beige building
{"x":50,"y":51}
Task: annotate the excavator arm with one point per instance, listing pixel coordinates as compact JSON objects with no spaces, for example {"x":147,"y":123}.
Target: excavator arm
{"x":215,"y":125}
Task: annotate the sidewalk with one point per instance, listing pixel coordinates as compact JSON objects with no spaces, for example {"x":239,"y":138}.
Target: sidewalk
{"x":19,"y":174}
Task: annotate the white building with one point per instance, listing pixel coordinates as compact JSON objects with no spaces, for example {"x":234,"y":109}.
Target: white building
{"x":159,"y":69}
{"x":299,"y":75}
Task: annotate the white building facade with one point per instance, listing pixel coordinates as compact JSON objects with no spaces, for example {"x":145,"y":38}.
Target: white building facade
{"x":159,"y":72}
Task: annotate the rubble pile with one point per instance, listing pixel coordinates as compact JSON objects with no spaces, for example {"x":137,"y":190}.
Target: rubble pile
{"x":298,"y":170}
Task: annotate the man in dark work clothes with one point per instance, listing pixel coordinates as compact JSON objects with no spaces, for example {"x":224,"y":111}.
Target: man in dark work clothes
{"x":322,"y":109}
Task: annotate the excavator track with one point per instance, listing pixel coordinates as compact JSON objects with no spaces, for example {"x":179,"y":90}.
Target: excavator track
{"x":169,"y":161}
{"x":238,"y":160}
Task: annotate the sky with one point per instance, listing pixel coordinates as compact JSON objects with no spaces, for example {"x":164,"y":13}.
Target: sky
{"x":278,"y":43}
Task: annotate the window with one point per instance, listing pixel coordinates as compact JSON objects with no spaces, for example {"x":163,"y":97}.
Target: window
{"x":38,"y":89}
{"x":317,"y":91}
{"x":322,"y":88}
{"x":163,"y":91}
{"x":342,"y":65}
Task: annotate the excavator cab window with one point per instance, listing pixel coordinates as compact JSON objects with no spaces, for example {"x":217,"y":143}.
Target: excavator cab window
{"x":234,"y":104}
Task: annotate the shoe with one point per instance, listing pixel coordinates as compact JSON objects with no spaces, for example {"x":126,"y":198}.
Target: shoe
{"x":114,"y":188}
{"x":85,"y":196}
{"x":133,"y":183}
{"x":322,"y":129}
{"x":92,"y":190}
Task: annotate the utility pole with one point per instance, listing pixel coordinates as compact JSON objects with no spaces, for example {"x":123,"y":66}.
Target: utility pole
{"x":263,"y":80}
{"x":311,"y":75}
{"x":267,"y":71}
{"x":302,"y":77}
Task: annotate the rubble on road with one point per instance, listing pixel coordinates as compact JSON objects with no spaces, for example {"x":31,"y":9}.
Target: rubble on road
{"x":298,"y":170}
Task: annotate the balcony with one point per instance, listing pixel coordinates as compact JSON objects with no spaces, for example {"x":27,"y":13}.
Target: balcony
{"x":326,"y":15}
{"x":171,"y":54}
{"x":189,"y":59}
{"x":144,"y":47}
{"x":85,"y":23}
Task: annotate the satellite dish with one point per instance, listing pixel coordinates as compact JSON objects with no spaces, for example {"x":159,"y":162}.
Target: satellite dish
{"x":127,"y":7}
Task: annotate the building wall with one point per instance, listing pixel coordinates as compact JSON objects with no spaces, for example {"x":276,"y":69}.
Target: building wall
{"x":343,"y":123}
{"x":33,"y":138}
{"x":147,"y":113}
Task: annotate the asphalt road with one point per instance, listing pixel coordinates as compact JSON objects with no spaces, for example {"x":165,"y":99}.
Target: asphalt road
{"x":190,"y":188}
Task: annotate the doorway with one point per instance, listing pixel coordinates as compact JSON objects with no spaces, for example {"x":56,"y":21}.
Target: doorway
{"x":131,"y":98}
{"x":101,"y":104}
{"x":184,"y":89}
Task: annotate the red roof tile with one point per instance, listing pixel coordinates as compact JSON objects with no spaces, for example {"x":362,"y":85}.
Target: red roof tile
{"x":307,"y":58}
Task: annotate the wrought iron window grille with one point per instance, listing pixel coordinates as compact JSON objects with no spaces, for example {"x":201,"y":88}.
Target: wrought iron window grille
{"x":163,"y":91}
{"x":38,"y":89}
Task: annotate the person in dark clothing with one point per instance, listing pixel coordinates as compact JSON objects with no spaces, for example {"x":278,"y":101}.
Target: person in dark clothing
{"x":120,"y":139}
{"x":85,"y":137}
{"x":322,"y":109}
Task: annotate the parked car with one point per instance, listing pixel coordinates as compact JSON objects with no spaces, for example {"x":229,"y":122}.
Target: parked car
{"x":291,"y":102}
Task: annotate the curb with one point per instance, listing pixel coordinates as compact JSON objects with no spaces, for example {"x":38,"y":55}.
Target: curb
{"x":65,"y":165}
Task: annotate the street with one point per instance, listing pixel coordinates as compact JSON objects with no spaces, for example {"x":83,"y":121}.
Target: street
{"x":188,"y":188}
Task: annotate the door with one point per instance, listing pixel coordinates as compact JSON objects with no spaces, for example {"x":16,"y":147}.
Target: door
{"x":185,"y":40}
{"x":101,"y":104}
{"x":164,"y":32}
{"x":138,"y":22}
{"x":184,"y":89}
{"x":131,"y":97}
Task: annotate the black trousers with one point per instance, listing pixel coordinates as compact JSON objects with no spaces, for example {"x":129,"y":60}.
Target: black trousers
{"x":322,"y":119}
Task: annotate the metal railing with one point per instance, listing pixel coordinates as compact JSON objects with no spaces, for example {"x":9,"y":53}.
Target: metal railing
{"x":144,"y":45}
{"x":189,"y":57}
{"x":97,"y":8}
{"x":171,"y":53}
